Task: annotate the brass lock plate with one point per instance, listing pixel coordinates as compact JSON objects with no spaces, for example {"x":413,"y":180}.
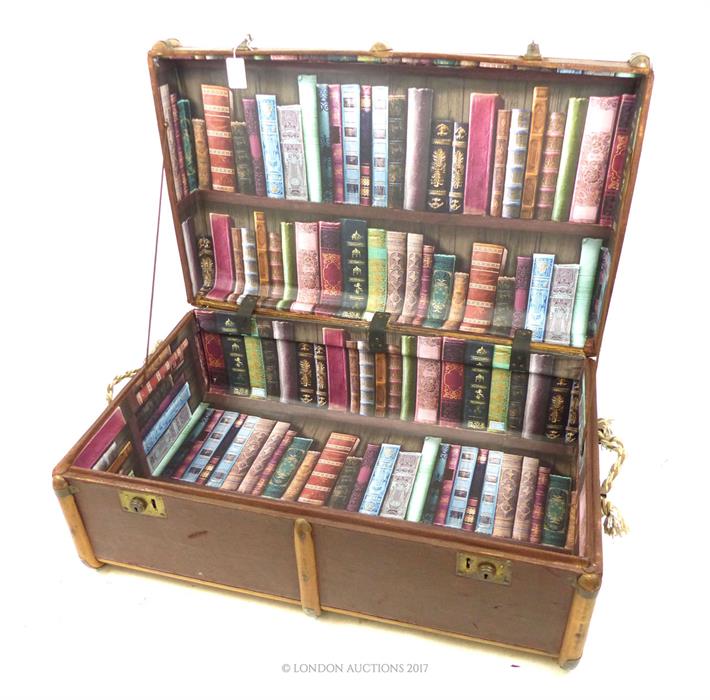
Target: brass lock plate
{"x":488,"y":569}
{"x":142,"y":503}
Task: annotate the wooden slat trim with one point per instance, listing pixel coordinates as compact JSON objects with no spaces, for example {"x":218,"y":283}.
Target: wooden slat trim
{"x":307,"y":567}
{"x":580,"y":615}
{"x":83,"y":545}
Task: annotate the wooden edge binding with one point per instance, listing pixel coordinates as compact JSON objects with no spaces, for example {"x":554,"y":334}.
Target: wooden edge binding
{"x":585,"y":593}
{"x":65,"y":495}
{"x":307,"y":568}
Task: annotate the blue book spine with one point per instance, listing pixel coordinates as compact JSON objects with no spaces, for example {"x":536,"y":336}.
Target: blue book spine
{"x":270,"y":145}
{"x":380,"y":479}
{"x":515,"y":163}
{"x":462,"y":486}
{"x":232,"y":454}
{"x":213,"y":441}
{"x":168,"y":438}
{"x":166,"y":419}
{"x":538,"y":297}
{"x":326,"y":153}
{"x":380,"y":144}
{"x":350,"y":95}
{"x":489,"y":494}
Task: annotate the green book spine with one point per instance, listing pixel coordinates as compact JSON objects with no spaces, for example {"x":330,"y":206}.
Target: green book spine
{"x":409,"y":376}
{"x":288,"y":253}
{"x":442,"y":280}
{"x":571,"y":146}
{"x":588,"y":262}
{"x":554,"y":528}
{"x":308,"y":99}
{"x":235,"y":358}
{"x":434,"y":491}
{"x":255,"y":361}
{"x":355,"y":274}
{"x":188,"y":144}
{"x":500,"y":389}
{"x":430,"y":452}
{"x":287,"y":467}
{"x":376,"y":270}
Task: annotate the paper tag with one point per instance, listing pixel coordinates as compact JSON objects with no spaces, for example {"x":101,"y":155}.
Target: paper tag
{"x":236,"y":73}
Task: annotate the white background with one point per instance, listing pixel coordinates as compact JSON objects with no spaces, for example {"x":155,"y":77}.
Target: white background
{"x":79,"y":164}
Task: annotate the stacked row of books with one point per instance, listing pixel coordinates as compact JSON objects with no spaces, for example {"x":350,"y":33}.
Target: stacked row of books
{"x":459,"y":486}
{"x":343,"y":268}
{"x":449,"y":381}
{"x":360,"y":144}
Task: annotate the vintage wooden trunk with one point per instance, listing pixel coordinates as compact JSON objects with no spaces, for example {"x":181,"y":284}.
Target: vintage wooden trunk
{"x":519,"y":595}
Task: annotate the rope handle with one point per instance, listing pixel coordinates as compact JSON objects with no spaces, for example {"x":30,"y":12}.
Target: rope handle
{"x":128,"y":374}
{"x":117,"y":380}
{"x":613,"y":522}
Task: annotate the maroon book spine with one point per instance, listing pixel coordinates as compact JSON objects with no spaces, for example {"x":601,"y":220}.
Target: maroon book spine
{"x":336,"y":142}
{"x":270,"y":468}
{"x":215,"y":102}
{"x":523,"y":269}
{"x":214,"y":356}
{"x":447,"y":485}
{"x":257,"y":158}
{"x":354,"y":375}
{"x":363,"y":477}
{"x":331,"y":268}
{"x":538,"y":512}
{"x":617,"y":159}
{"x":425,"y":285}
{"x":452,"y":369}
{"x":481,"y":151}
{"x":336,"y":357}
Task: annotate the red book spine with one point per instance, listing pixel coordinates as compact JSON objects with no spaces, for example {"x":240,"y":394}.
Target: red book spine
{"x":197,"y":445}
{"x":363,"y":477}
{"x":224,"y":279}
{"x":307,"y":267}
{"x":214,"y":356}
{"x":336,"y":142}
{"x":447,"y":485}
{"x":178,"y":143}
{"x":394,"y":377}
{"x":331,"y":267}
{"x":100,"y":441}
{"x":487,"y":262}
{"x":427,"y":264}
{"x":617,"y":159}
{"x":320,"y":483}
{"x":538,"y":512}
{"x":336,"y":357}
{"x":481,"y":151}
{"x":452,"y":370}
{"x":171,"y":364}
{"x":215,"y":101}
{"x":257,"y":158}
{"x":273,"y":463}
{"x":219,"y":452}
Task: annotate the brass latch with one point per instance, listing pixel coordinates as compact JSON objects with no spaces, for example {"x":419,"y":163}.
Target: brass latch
{"x":142,"y":503}
{"x":484,"y":568}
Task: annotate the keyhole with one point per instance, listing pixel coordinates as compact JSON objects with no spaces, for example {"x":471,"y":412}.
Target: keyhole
{"x":155,"y":507}
{"x":468,"y":562}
